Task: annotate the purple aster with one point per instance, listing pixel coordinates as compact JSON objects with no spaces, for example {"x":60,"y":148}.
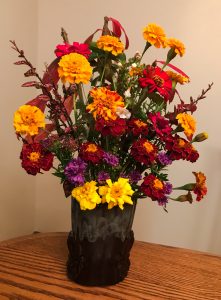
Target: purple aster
{"x":111,"y":159}
{"x":135,"y":176}
{"x":168,"y":188}
{"x":74,"y":171}
{"x":163,"y":201}
{"x":164,"y":159}
{"x":102,"y":176}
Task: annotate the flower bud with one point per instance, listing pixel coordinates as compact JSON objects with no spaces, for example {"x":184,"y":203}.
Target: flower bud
{"x":183,"y":198}
{"x":201,"y":137}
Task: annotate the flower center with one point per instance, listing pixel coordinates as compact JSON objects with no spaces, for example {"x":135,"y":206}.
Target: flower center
{"x":91,"y":148}
{"x":181,"y":143}
{"x":116,"y":192}
{"x":158,"y":80}
{"x":148,"y":147}
{"x":157,"y":184}
{"x":28,"y":118}
{"x":140,"y":123}
{"x":34,"y":156}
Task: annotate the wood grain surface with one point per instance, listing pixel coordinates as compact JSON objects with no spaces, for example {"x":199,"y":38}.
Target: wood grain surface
{"x":34,"y":268}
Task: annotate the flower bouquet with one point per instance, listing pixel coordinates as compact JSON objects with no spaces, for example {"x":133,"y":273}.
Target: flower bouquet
{"x":110,"y":146}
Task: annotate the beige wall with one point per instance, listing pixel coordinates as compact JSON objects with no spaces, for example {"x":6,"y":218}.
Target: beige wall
{"x":197,"y":23}
{"x":18,"y":20}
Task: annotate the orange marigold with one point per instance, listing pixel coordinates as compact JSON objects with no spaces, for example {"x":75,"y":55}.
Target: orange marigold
{"x":74,"y":68}
{"x":105,"y":103}
{"x":200,"y":188}
{"x":110,"y":44}
{"x":178,"y":77}
{"x":177,"y":45}
{"x":188,"y":123}
{"x":28,"y":119}
{"x":155,"y":35}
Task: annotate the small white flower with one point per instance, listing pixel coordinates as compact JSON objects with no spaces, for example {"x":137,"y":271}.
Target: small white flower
{"x":119,"y":64}
{"x":134,"y":65}
{"x":123,"y":113}
{"x":127,"y":93}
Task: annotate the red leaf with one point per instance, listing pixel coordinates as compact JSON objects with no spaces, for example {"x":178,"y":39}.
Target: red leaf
{"x":29,"y":139}
{"x":43,"y":133}
{"x":90,"y":38}
{"x":174,"y":68}
{"x":40,"y":101}
{"x":117,"y":27}
{"x":30,"y":84}
{"x":51,"y":75}
{"x":68,"y":104}
{"x":21,"y":62}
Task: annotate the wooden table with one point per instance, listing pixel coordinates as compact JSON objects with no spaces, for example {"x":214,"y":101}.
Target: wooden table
{"x":33,"y":267}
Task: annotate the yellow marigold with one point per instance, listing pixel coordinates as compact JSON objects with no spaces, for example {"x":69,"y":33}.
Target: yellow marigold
{"x":105,"y":103}
{"x":116,"y":193}
{"x":74,"y":68}
{"x":110,"y":44}
{"x":188,"y":123}
{"x":87,"y":195}
{"x":178,"y":46}
{"x":135,"y":71}
{"x":155,"y":35}
{"x":177,"y":77}
{"x":28,"y":119}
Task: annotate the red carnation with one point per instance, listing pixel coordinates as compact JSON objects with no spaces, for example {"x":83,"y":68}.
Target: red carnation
{"x":157,"y":81}
{"x":34,"y":158}
{"x":160,"y":124}
{"x":144,"y":151}
{"x":153,"y":187}
{"x":179,"y":148}
{"x":91,"y":152}
{"x":112,"y":127}
{"x":76,"y":47}
{"x":138,"y":127}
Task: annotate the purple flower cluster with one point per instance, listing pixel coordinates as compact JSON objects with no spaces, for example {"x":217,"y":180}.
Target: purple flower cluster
{"x":135,"y":176}
{"x":164,"y":159}
{"x":111,"y":159}
{"x":74,"y":171}
{"x":102,"y":176}
{"x":168,"y":190}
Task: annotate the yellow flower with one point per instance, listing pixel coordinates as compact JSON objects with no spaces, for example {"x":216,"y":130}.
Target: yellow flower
{"x":87,"y":195}
{"x":178,"y":77}
{"x":105,"y":103}
{"x":155,"y":35}
{"x":134,"y":71}
{"x":28,"y":119}
{"x":188,"y":123}
{"x":116,"y":193}
{"x":178,"y":46}
{"x":110,"y":44}
{"x":74,"y":68}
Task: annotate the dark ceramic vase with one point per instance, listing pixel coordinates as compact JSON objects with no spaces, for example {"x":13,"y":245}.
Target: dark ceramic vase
{"x":99,"y":244}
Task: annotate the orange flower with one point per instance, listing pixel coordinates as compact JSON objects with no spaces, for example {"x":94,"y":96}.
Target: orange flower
{"x":155,"y":35}
{"x":177,"y":77}
{"x":105,"y":103}
{"x":74,"y":68}
{"x":177,"y":45}
{"x":110,"y":44}
{"x":200,"y":189}
{"x":28,"y":119}
{"x":188,"y":123}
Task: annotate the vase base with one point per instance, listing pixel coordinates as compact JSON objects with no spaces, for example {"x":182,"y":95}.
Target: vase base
{"x":103,"y":262}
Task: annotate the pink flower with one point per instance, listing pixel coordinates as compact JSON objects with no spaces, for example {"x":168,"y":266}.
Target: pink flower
{"x":156,"y":80}
{"x":74,"y":48}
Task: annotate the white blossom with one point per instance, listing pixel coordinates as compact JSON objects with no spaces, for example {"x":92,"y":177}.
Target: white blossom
{"x":123,"y":113}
